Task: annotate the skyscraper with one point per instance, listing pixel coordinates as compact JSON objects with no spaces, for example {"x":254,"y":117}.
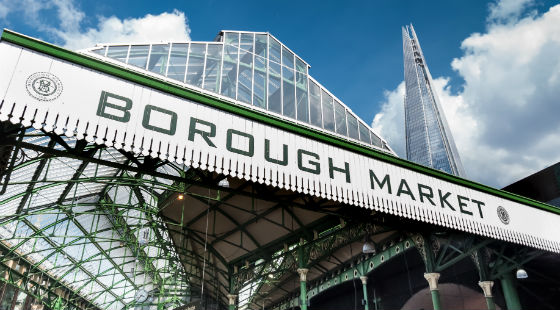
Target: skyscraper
{"x":428,"y":139}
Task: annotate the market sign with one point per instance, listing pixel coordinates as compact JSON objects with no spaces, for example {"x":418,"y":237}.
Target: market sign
{"x":46,"y":92}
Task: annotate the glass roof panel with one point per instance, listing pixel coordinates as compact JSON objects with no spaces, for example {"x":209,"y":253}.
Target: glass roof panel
{"x":241,"y":74}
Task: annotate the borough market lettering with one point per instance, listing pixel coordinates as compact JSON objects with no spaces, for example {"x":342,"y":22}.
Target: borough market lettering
{"x":116,"y":107}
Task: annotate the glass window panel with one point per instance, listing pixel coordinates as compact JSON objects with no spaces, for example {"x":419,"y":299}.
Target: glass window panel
{"x":158,"y":58}
{"x":178,"y":61}
{"x":340,"y":118}
{"x":275,"y":50}
{"x":247,"y":42}
{"x":232,"y":38}
{"x":213,"y":66}
{"x":287,"y":58}
{"x":245,"y":87}
{"x":352,"y":126}
{"x":288,"y":91}
{"x":195,"y":66}
{"x":315,"y":105}
{"x":274,"y":95}
{"x":364,"y":134}
{"x":259,"y":84}
{"x":375,"y":140}
{"x":300,"y":65}
{"x":260,"y":44}
{"x":138,"y":55}
{"x":100,"y":51}
{"x":229,"y":71}
{"x":301,"y":97}
{"x":328,"y":112}
{"x":118,"y":52}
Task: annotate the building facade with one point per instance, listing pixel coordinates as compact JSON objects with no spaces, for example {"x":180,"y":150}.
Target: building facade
{"x":220,"y":175}
{"x":428,"y":139}
{"x":543,"y":185}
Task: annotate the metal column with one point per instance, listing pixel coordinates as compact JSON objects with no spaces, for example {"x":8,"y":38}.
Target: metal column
{"x":364,"y":285}
{"x":432,"y":279}
{"x":510,"y":292}
{"x":303,"y":287}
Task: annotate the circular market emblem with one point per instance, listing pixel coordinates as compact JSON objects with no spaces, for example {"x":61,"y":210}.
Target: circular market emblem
{"x":43,"y":86}
{"x":503,"y":215}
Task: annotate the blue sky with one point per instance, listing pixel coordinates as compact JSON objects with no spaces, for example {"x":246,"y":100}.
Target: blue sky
{"x":495,"y":62}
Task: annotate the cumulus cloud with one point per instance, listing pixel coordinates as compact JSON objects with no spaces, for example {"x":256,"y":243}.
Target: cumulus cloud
{"x":66,"y":29}
{"x":505,"y":120}
{"x":389,"y":122}
{"x":506,"y":10}
{"x":162,"y":27}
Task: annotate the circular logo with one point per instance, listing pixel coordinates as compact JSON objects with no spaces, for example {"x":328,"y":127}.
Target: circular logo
{"x":503,"y":215}
{"x":43,"y":86}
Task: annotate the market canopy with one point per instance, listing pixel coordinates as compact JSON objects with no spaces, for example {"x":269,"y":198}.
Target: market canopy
{"x":118,"y":179}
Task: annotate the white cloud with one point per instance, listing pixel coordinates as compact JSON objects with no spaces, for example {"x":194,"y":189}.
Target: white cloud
{"x":389,"y":123}
{"x":66,"y":28}
{"x":505,"y":121}
{"x":150,"y":28}
{"x":69,"y":16}
{"x":505,"y":10}
{"x":4,"y":10}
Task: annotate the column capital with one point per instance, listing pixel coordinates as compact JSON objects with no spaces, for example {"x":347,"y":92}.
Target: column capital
{"x":364,"y":280}
{"x":302,"y":274}
{"x":432,"y":278}
{"x":486,"y":287}
{"x":231,"y":299}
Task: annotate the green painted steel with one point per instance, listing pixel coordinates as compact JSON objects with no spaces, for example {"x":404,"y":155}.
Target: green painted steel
{"x":436,"y":300}
{"x":366,"y":306}
{"x":353,"y":273}
{"x":490,"y":303}
{"x":61,"y":53}
{"x":510,"y":292}
{"x":303,"y":295}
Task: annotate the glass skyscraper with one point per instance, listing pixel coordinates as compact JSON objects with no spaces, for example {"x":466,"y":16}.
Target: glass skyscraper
{"x":428,"y":139}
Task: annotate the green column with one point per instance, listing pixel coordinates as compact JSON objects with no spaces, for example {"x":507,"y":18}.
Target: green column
{"x":510,"y":292}
{"x":303,"y":287}
{"x":432,"y":278}
{"x":487,"y":289}
{"x":364,"y":285}
{"x":231,"y":299}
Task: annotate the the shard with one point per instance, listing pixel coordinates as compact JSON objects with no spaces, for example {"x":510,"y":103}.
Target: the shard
{"x":428,"y":139}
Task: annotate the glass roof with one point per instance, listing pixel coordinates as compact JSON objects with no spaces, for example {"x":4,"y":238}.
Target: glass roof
{"x":104,"y":225}
{"x":84,"y":229}
{"x":252,"y":68}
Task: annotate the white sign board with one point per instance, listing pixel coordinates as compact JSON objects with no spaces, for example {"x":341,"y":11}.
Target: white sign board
{"x":45,"y":92}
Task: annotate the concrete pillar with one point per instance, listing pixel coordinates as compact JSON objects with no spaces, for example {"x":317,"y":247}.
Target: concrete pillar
{"x":432,"y":278}
{"x":231,"y":299}
{"x":364,"y":285}
{"x":303,"y":287}
{"x":487,"y":289}
{"x":510,"y":292}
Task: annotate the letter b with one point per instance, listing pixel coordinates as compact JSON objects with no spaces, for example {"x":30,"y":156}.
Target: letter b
{"x":118,"y":107}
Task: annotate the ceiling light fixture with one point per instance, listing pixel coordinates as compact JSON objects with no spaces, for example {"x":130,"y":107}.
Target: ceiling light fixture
{"x":369,"y":246}
{"x":521,"y":274}
{"x":223,"y":183}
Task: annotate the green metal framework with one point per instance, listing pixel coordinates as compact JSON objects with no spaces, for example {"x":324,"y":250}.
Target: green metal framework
{"x":83,"y":226}
{"x":94,"y":221}
{"x":90,"y":226}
